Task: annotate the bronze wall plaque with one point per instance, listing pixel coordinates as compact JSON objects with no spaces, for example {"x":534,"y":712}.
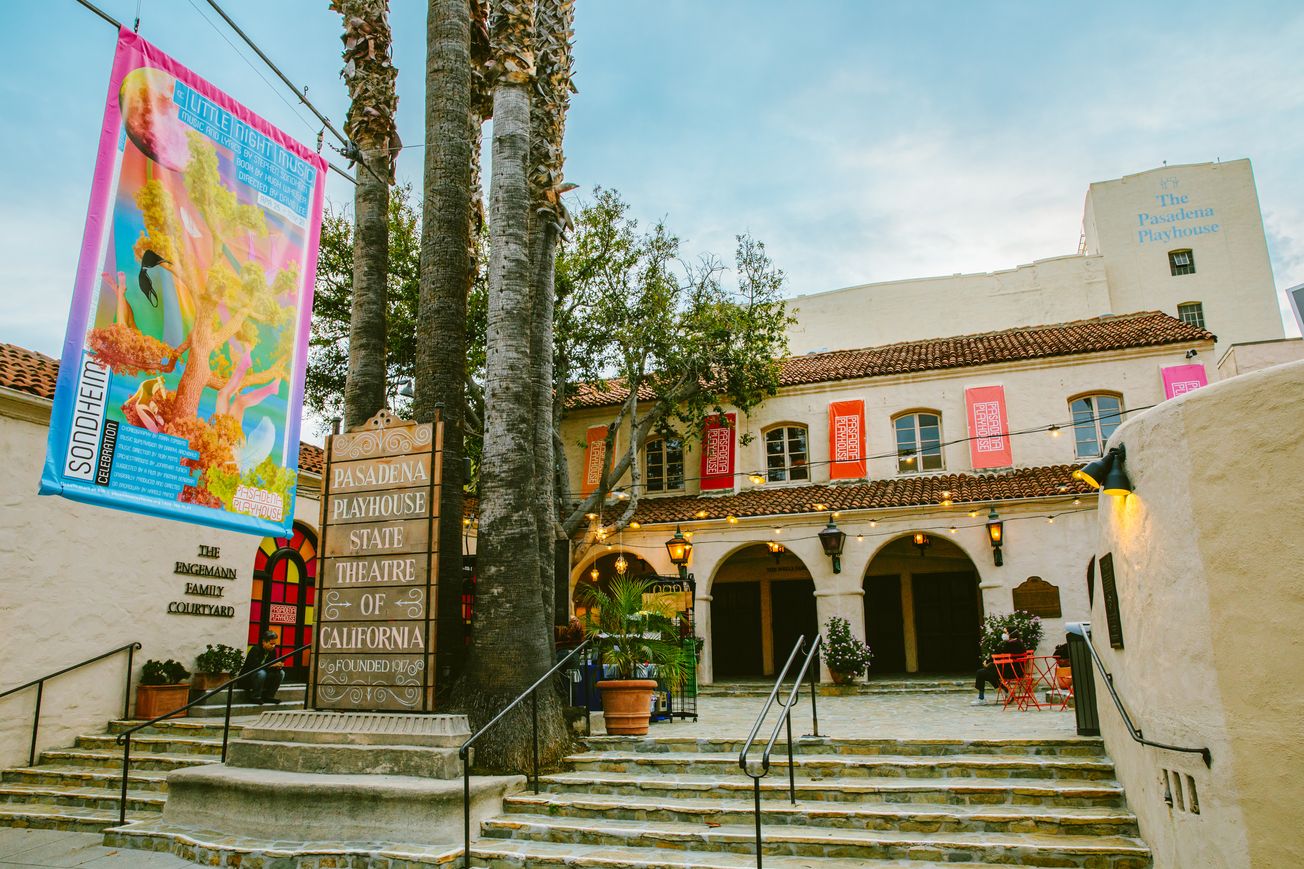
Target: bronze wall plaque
{"x":374,"y":646}
{"x":1039,"y":597}
{"x":1110,"y":593}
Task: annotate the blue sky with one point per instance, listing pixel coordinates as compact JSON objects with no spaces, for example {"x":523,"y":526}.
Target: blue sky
{"x":861,"y":141}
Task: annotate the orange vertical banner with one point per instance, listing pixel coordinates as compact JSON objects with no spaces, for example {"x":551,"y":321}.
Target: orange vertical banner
{"x":718,"y":451}
{"x":847,"y":440}
{"x":595,"y":454}
{"x":989,"y":429}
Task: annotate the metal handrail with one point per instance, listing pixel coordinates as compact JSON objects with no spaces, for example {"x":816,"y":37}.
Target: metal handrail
{"x":130,"y":649}
{"x":124,"y":738}
{"x":464,"y":751}
{"x":784,"y":720}
{"x":1132,"y":729}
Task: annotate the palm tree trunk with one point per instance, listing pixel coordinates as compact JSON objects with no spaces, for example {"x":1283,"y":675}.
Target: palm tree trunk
{"x":447,"y":272}
{"x":370,"y":77}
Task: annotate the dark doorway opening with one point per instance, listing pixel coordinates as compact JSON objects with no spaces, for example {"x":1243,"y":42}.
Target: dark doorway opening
{"x":736,"y":629}
{"x":792,"y":605}
{"x":947,"y":615}
{"x":884,"y":624}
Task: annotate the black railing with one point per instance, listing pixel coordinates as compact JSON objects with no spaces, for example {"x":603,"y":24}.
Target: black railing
{"x":785,"y":720}
{"x":130,"y":649}
{"x":124,"y":738}
{"x":1132,"y":729}
{"x":465,"y":751}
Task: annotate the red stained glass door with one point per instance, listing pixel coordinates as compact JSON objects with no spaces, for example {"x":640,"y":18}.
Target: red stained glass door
{"x":283,"y":598}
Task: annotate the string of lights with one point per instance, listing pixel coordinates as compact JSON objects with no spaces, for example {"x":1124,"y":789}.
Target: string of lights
{"x":758,"y":478}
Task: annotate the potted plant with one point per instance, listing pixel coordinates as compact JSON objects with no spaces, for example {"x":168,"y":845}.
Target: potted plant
{"x":215,"y":665}
{"x":637,"y":641}
{"x":846,"y":657}
{"x":1022,"y":626}
{"x":162,"y":689}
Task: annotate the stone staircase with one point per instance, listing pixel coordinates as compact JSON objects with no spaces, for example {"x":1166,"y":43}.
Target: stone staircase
{"x":77,"y":788}
{"x":875,"y":685}
{"x":682,"y":802}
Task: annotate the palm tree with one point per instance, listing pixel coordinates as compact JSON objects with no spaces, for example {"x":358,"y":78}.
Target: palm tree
{"x":370,"y":77}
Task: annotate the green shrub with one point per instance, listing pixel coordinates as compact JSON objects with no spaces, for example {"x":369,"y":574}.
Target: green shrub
{"x":218,"y":659}
{"x":167,"y":672}
{"x":843,"y":653}
{"x":1023,"y":626}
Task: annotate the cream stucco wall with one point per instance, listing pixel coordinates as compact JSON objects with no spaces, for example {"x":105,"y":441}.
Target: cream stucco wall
{"x":77,"y":580}
{"x":1233,"y":275}
{"x":1256,"y":355}
{"x":1046,"y":291}
{"x":1207,"y":555}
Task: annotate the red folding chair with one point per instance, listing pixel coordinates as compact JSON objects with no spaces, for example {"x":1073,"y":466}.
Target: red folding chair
{"x":1017,"y":680}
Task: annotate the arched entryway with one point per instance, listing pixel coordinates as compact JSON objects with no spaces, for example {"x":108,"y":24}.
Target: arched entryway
{"x":761,"y":602}
{"x":283,"y":596}
{"x":602,"y":570}
{"x":923,"y":608}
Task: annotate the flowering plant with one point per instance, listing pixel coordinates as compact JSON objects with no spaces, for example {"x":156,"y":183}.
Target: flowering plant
{"x":843,"y":653}
{"x":1022,"y":626}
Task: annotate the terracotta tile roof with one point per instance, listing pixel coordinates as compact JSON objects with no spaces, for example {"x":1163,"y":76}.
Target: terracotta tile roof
{"x":35,"y":373}
{"x":1120,"y":332}
{"x":905,"y":491}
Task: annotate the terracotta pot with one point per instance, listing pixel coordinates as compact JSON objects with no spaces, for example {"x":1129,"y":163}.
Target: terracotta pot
{"x":627,"y":705}
{"x":208,"y":681}
{"x":154,"y":700}
{"x":842,"y":678}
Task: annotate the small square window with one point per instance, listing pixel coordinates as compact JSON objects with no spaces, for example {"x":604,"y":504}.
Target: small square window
{"x":1191,"y":313}
{"x":1181,"y":262}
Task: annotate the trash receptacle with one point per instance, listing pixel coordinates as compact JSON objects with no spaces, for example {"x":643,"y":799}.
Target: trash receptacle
{"x":1084,"y":681}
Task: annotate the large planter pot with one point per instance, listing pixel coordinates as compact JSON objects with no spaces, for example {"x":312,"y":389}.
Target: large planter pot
{"x":842,"y":678}
{"x":202,"y":682}
{"x":155,"y":700}
{"x":627,"y":705}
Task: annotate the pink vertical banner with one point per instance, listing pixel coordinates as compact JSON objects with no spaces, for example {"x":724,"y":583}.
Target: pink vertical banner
{"x":1181,"y":379}
{"x":989,"y":429}
{"x":181,"y":382}
{"x":718,"y":451}
{"x":847,"y":440}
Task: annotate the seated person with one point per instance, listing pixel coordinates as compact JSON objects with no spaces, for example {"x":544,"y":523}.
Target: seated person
{"x":262,"y":684}
{"x":989,"y":674}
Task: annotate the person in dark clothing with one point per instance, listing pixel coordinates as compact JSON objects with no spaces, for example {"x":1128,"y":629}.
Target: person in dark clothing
{"x":989,"y":675}
{"x":262,"y":684}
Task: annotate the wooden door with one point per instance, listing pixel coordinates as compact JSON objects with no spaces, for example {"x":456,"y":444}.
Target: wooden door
{"x":884,"y":624}
{"x":792,"y":615}
{"x":946,"y":621}
{"x":736,"y":630}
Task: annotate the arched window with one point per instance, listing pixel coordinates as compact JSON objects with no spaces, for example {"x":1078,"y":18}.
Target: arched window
{"x":919,"y":442}
{"x":663,"y":465}
{"x":1094,"y":419}
{"x":787,"y":453}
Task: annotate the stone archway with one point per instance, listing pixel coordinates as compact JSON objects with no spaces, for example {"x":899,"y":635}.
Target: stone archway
{"x":923,"y":610}
{"x":760,"y":604}
{"x":605,"y":565}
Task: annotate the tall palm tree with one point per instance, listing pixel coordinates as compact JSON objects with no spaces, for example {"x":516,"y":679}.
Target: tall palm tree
{"x":370,"y":76}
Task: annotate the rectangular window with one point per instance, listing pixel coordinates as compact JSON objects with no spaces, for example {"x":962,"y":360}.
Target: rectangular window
{"x":1191,"y":313}
{"x":919,"y":442}
{"x":1095,"y":417}
{"x":786,"y":454}
{"x":1181,"y":262}
{"x":664,"y":467}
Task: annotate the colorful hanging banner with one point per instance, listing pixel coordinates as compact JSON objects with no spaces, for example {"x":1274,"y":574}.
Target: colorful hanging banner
{"x":1181,"y":379}
{"x":989,"y":430}
{"x":847,"y":440}
{"x":182,"y":375}
{"x":718,"y":451}
{"x":595,"y":453}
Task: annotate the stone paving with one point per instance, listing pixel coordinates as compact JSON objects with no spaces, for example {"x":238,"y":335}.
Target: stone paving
{"x":30,"y":849}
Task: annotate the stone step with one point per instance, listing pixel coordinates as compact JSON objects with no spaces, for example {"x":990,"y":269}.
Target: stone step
{"x":882,"y":816}
{"x":885,"y":685}
{"x":1067,"y":747}
{"x":71,"y":819}
{"x":149,"y":743}
{"x":82,"y":797}
{"x":55,"y":775}
{"x":113,"y":759}
{"x":1098,"y":852}
{"x":866,"y":789}
{"x":194,"y":728}
{"x":814,"y":766}
{"x":205,"y":711}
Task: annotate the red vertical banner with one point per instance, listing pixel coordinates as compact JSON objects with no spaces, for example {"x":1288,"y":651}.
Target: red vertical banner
{"x":718,"y":451}
{"x":847,"y":440}
{"x":989,"y":429}
{"x":1181,"y":379}
{"x":595,"y":453}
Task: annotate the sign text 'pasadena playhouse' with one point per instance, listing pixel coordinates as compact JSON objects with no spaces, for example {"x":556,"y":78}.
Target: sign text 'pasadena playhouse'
{"x":376,"y":619}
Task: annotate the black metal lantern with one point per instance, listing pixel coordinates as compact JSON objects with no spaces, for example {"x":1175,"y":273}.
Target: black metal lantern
{"x":996,"y":534}
{"x":922,"y":541}
{"x":680,"y":549}
{"x":832,"y":539}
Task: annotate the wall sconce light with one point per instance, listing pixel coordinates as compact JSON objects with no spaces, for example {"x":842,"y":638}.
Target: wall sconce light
{"x":832,"y":539}
{"x":680,"y":550}
{"x":1107,"y":472}
{"x":776,"y":549}
{"x":923,"y":541}
{"x":756,"y":479}
{"x":996,"y":534}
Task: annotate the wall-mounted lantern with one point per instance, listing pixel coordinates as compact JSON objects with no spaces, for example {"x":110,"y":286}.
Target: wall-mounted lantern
{"x":776,"y":549}
{"x":1107,"y":472}
{"x":996,"y":534}
{"x":680,"y":549}
{"x":923,"y":541}
{"x":832,"y":539}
